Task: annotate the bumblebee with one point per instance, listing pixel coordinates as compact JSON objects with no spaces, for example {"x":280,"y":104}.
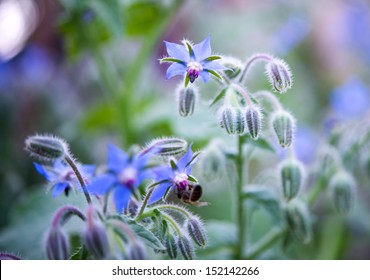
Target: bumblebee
{"x":191,"y":195}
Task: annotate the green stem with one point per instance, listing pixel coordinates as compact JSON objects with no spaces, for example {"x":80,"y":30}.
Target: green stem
{"x":315,"y":191}
{"x":250,"y":61}
{"x":265,"y":243}
{"x":77,"y":172}
{"x":145,"y":202}
{"x":241,"y":246}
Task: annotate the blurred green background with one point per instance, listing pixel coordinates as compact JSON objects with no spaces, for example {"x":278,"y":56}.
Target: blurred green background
{"x":88,"y":71}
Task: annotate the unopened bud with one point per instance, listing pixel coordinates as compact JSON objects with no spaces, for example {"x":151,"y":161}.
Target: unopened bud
{"x":95,"y":236}
{"x":187,"y":99}
{"x":279,"y":75}
{"x":171,"y":246}
{"x":254,"y":121}
{"x":283,"y":124}
{"x":186,"y":247}
{"x":8,"y":256}
{"x":96,"y":240}
{"x":234,"y":67}
{"x":292,"y":175}
{"x":212,"y":162}
{"x":131,"y":209}
{"x":328,"y":161}
{"x":299,"y":221}
{"x":57,"y":244}
{"x":239,"y":121}
{"x":46,"y":148}
{"x":137,"y":251}
{"x":228,"y":119}
{"x":342,"y":188}
{"x":196,"y":231}
{"x":166,"y":146}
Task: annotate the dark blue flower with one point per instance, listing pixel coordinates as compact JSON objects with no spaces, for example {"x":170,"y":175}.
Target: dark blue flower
{"x":125,"y":173}
{"x":177,"y":175}
{"x":192,"y":61}
{"x":62,"y":178}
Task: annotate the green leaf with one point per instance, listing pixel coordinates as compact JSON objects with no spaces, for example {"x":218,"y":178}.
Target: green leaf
{"x":263,"y":197}
{"x":192,"y":179}
{"x":219,"y":97}
{"x":214,"y":73}
{"x":143,"y":16}
{"x":260,"y":143}
{"x":148,"y":237}
{"x":213,"y":57}
{"x":170,"y":59}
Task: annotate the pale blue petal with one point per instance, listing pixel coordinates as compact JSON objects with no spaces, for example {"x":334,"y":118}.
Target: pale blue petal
{"x":60,"y":166}
{"x":205,"y":76}
{"x":213,"y":65}
{"x":175,"y":69}
{"x":100,"y":185}
{"x":59,"y":188}
{"x":117,"y":159}
{"x":121,"y":197}
{"x":159,"y":192}
{"x":203,"y":49}
{"x":185,"y":159}
{"x":163,"y":173}
{"x":177,"y":51}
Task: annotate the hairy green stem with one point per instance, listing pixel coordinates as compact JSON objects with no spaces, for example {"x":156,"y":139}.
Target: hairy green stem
{"x":266,"y":242}
{"x":250,"y":61}
{"x":77,"y":172}
{"x":239,"y":161}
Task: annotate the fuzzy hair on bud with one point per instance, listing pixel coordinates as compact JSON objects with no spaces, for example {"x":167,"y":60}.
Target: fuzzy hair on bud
{"x":283,"y":123}
{"x":46,"y":147}
{"x":239,"y":121}
{"x":328,"y":161}
{"x":186,"y":247}
{"x":186,"y":100}
{"x":228,"y":119}
{"x":253,"y":116}
{"x":279,"y":75}
{"x":57,"y":244}
{"x":299,"y":220}
{"x":292,"y":176}
{"x":342,"y":188}
{"x":171,"y":246}
{"x":167,"y":146}
{"x":196,"y":231}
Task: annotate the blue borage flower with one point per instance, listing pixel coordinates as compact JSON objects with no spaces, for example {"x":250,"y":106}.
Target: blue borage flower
{"x":124,"y":174}
{"x":61,"y":176}
{"x":177,"y":175}
{"x":192,"y":60}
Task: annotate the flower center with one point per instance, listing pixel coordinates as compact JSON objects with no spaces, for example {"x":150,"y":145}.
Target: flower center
{"x":193,"y":69}
{"x":128,"y":177}
{"x":181,"y":181}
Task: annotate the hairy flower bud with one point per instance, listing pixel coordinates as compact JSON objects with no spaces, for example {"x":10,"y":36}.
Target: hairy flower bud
{"x":196,"y":231}
{"x":96,"y":240}
{"x":342,"y":191}
{"x":46,"y":147}
{"x":171,"y":246}
{"x":57,"y":244}
{"x":186,"y":247}
{"x":299,"y":220}
{"x":328,"y":161}
{"x":292,"y":175}
{"x":279,"y":75}
{"x":166,"y":146}
{"x":283,"y":124}
{"x":132,"y":208}
{"x":228,"y":119}
{"x":187,"y":99}
{"x":234,"y":67}
{"x":254,"y":121}
{"x":212,"y":162}
{"x":239,"y":121}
